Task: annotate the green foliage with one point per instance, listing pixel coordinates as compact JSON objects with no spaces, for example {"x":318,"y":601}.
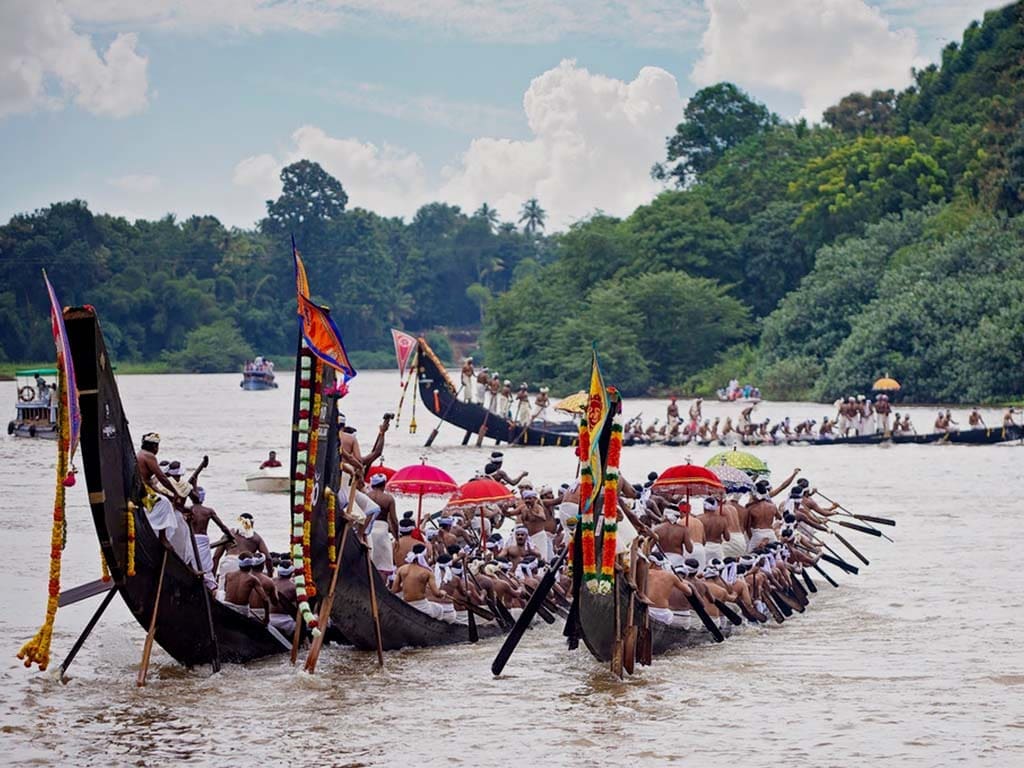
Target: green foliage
{"x":791,"y":379}
{"x":212,"y":348}
{"x":441,"y":346}
{"x":715,"y":119}
{"x":737,"y":362}
{"x":858,"y":113}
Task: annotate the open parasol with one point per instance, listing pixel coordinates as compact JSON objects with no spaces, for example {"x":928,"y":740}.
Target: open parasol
{"x":573,"y":403}
{"x":689,"y":479}
{"x":735,"y":480}
{"x":478,"y":493}
{"x":886,"y":384}
{"x":380,"y":469}
{"x":748,"y":462}
{"x":421,"y":480}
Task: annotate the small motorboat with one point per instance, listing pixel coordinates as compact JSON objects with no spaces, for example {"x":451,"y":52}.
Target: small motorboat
{"x":258,"y":374}
{"x":36,"y":406}
{"x":268,"y":480}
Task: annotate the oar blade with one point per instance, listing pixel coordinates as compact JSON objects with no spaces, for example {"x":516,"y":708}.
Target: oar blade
{"x":526,"y":618}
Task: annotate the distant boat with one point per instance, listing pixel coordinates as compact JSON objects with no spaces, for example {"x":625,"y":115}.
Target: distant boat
{"x":36,"y":405}
{"x":268,"y":480}
{"x":737,"y":395}
{"x":258,"y":374}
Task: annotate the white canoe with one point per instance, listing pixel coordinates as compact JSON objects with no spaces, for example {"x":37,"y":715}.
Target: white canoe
{"x":268,"y":481}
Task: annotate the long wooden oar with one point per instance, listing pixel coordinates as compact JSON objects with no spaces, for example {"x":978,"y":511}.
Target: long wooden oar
{"x":840,"y":563}
{"x":147,"y":647}
{"x":206,"y":600}
{"x":852,"y":548}
{"x":825,"y":575}
{"x":325,"y":607}
{"x":729,"y":613}
{"x":616,"y":660}
{"x":867,"y":518}
{"x":84,"y":591}
{"x":526,"y":617}
{"x":296,"y":635}
{"x":63,"y":668}
{"x":474,"y":634}
{"x":807,"y":580}
{"x":371,"y":572}
{"x":440,"y":421}
{"x":855,"y":527}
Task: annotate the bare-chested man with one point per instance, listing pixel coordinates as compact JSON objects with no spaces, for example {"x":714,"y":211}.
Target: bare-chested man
{"x":736,"y":515}
{"x":259,"y":562}
{"x":483,"y":380}
{"x":383,"y":531}
{"x":974,"y":420}
{"x":199,"y":517}
{"x":520,"y":546}
{"x":672,"y":414}
{"x":406,"y":541}
{"x":716,"y":528}
{"x":162,"y":497}
{"x":225,"y":558}
{"x":761,"y":514}
{"x":674,"y":536}
{"x":660,"y":590}
{"x":532,"y":515}
{"x":695,"y":414}
{"x":283,"y":612}
{"x":414,"y":580}
{"x":242,"y":588}
{"x":494,"y":471}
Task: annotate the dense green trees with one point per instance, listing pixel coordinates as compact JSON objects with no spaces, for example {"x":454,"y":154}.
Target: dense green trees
{"x":806,"y":258}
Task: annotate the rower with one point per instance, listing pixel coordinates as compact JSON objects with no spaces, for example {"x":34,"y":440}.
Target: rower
{"x":695,"y":414}
{"x":199,"y":517}
{"x":1007,"y":418}
{"x":414,"y":580}
{"x":716,"y":528}
{"x":483,"y":380}
{"x":520,"y":546}
{"x":522,"y":417}
{"x":161,"y":505}
{"x":242,"y":588}
{"x":761,"y":514}
{"x":540,"y":405}
{"x":271,"y":461}
{"x":533,"y":516}
{"x":468,"y":375}
{"x":672,"y":414}
{"x":381,"y":538}
{"x":505,"y":399}
{"x":494,"y":471}
{"x":282,"y":613}
{"x":662,"y":582}
{"x":975,"y":420}
{"x":245,"y":539}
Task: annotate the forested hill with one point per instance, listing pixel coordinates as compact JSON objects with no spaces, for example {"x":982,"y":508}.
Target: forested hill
{"x":809,"y":259}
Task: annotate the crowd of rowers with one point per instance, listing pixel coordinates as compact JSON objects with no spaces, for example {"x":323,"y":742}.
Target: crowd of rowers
{"x":855,"y":416}
{"x":488,"y":559}
{"x":486,"y":388}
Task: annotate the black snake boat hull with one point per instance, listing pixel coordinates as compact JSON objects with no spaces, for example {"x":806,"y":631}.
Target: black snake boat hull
{"x":115,"y":490}
{"x":980,"y":436}
{"x":440,"y":396}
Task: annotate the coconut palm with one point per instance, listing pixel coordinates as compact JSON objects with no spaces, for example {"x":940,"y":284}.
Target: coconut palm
{"x":488,"y":214}
{"x":533,"y":215}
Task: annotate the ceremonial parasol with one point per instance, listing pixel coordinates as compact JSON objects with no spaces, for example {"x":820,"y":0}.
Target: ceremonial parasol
{"x":573,"y":403}
{"x":689,"y":479}
{"x":748,"y":462}
{"x":421,"y":480}
{"x":478,"y":493}
{"x":734,"y":480}
{"x":380,"y":469}
{"x":886,"y":384}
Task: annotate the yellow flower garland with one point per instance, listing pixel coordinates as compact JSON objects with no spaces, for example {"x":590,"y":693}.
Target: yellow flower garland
{"x":37,"y":650}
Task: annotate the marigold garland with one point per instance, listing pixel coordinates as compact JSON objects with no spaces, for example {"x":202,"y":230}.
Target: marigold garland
{"x":104,"y":570}
{"x":609,"y":513}
{"x":37,"y":650}
{"x":130,"y":570}
{"x":305,"y":427}
{"x":332,"y":502}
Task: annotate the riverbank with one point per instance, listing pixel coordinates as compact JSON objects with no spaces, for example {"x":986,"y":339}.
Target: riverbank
{"x":7,"y":369}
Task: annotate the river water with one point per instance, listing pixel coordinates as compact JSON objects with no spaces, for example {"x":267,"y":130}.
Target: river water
{"x":915,"y":662}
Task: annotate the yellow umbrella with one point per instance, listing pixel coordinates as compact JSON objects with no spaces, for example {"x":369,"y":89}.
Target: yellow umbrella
{"x":573,"y":403}
{"x":886,"y":384}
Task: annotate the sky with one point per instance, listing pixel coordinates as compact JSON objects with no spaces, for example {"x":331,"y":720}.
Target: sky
{"x":149,"y":107}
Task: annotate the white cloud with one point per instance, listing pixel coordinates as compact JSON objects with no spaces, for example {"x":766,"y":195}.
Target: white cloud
{"x":820,"y":50}
{"x":938,"y":21}
{"x":44,"y":62}
{"x":385,"y":179}
{"x":594,"y":141}
{"x":133,"y":182}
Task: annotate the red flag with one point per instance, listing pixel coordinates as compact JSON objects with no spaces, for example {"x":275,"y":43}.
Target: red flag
{"x":404,"y":345}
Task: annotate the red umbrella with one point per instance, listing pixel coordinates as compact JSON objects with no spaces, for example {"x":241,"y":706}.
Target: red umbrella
{"x":421,"y":480}
{"x":689,"y":479}
{"x":479,"y":492}
{"x":380,"y":469}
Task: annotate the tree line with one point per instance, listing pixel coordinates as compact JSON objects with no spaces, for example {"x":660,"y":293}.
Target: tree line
{"x":808,"y":259}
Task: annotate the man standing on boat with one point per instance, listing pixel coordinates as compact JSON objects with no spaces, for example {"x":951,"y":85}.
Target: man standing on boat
{"x":483,"y":379}
{"x":695,"y":414}
{"x":199,"y":517}
{"x":494,"y":471}
{"x":882,"y":411}
{"x":161,"y":499}
{"x":468,"y":377}
{"x":761,"y":514}
{"x":522,"y":406}
{"x":226,"y":558}
{"x":672,"y":415}
{"x":493,"y":392}
{"x":540,"y":404}
{"x":383,"y":530}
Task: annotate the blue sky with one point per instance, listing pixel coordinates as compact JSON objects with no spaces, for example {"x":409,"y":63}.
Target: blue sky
{"x":144,"y":108}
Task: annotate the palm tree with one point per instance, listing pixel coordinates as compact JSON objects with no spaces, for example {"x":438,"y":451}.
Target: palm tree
{"x":533,"y":215}
{"x":488,"y":214}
